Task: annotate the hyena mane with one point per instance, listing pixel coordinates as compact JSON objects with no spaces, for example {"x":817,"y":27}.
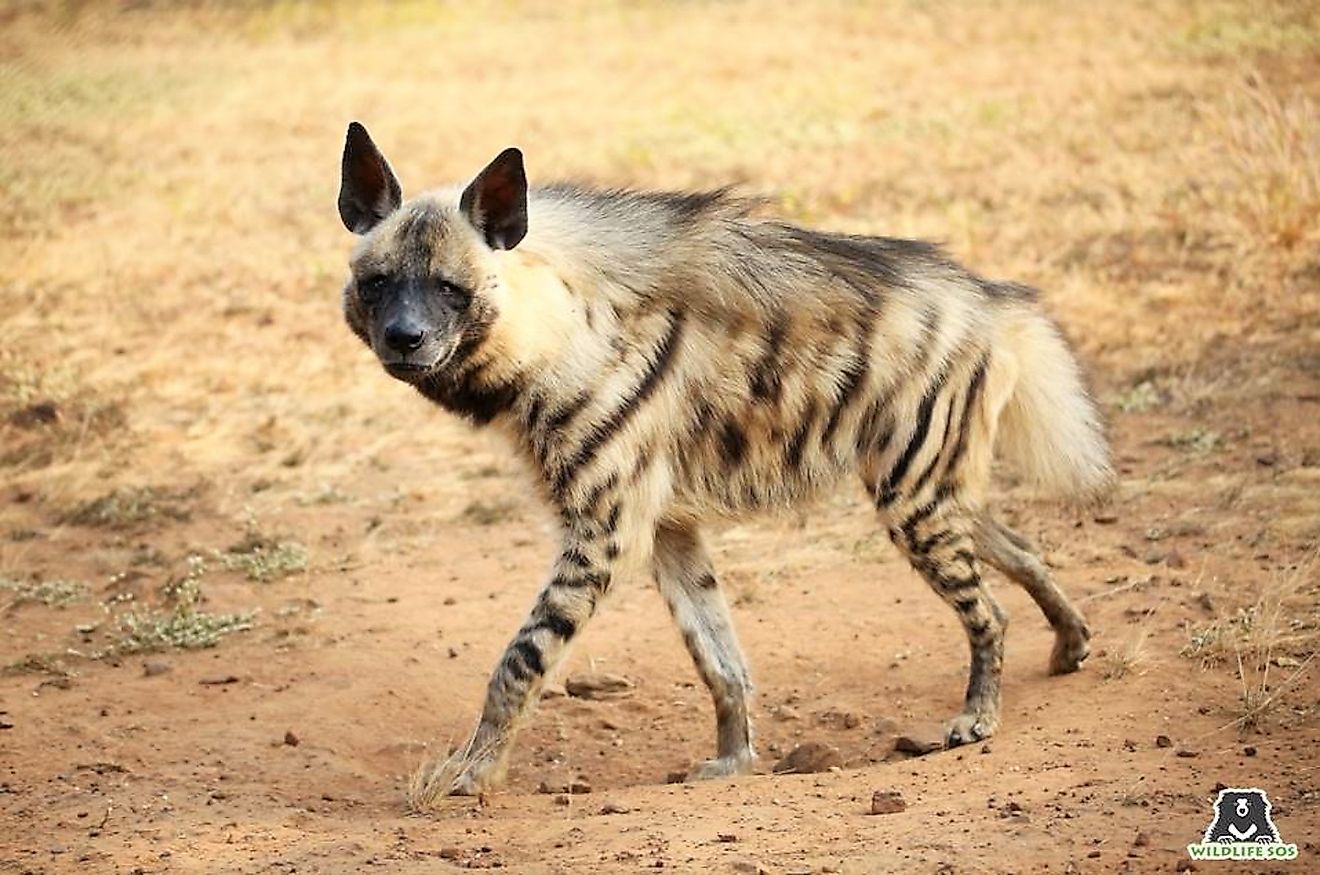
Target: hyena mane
{"x":660,"y":358}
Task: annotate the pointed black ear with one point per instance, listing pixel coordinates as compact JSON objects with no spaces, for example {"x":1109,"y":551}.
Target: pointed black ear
{"x":368,"y":190}
{"x":496,"y":201}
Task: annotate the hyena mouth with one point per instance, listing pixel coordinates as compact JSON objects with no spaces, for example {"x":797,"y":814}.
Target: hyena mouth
{"x":411,"y":371}
{"x":407,"y":371}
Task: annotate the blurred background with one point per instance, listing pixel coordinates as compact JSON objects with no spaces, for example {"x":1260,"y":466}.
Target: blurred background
{"x":193,"y":444}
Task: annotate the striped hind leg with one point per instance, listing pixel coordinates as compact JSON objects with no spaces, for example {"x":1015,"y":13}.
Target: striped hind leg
{"x":1009,"y":552}
{"x":936,"y":537}
{"x":683,"y":574}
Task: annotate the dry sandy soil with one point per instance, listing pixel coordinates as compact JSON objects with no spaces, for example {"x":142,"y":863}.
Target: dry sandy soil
{"x":248,"y":584}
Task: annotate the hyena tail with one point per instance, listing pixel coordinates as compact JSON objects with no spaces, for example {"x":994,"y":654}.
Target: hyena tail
{"x":1049,"y":429}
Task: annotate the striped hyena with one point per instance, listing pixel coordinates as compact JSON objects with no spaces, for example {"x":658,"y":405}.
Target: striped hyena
{"x":660,"y":359}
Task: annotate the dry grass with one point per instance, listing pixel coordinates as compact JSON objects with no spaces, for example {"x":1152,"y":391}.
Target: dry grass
{"x":1123,"y":661}
{"x":1271,"y":643}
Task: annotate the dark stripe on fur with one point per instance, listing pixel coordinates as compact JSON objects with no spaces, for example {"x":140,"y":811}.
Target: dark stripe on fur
{"x":530,"y":655}
{"x":765,"y":382}
{"x":562,"y":627}
{"x":602,"y":432}
{"x":929,"y":470}
{"x":734,"y":443}
{"x":918,"y":438}
{"x":973,"y":393}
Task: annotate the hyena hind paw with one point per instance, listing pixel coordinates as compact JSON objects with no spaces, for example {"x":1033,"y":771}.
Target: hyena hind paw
{"x":967,"y":728}
{"x":722,"y":767}
{"x":1071,"y":647}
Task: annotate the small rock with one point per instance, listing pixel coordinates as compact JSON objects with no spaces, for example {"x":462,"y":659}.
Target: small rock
{"x":887,"y":802}
{"x":1249,"y":750}
{"x":614,"y":808}
{"x":450,"y":853}
{"x":676,"y":777}
{"x":1163,"y":741}
{"x":918,"y":744}
{"x":6,"y":723}
{"x":291,"y":740}
{"x":1093,"y":855}
{"x":1206,"y":602}
{"x":749,"y":867}
{"x":726,"y":837}
{"x":58,"y":849}
{"x":1141,"y":841}
{"x":41,"y":413}
{"x":598,"y":686}
{"x":985,"y":748}
{"x":1185,"y":753}
{"x":809,"y":757}
{"x":785,"y":713}
{"x":553,"y":691}
{"x":576,"y":787}
{"x":1106,"y":519}
{"x":1129,"y":745}
{"x":153,"y":667}
{"x":1174,"y":559}
{"x":562,"y":799}
{"x":218,"y":680}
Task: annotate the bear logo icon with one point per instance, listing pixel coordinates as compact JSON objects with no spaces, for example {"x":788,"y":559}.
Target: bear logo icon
{"x":1242,"y":816}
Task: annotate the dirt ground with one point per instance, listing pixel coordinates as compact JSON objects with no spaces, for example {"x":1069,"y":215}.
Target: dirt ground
{"x":248,"y":584}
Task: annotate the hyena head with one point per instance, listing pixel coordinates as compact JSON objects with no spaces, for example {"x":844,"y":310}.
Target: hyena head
{"x":420,"y":291}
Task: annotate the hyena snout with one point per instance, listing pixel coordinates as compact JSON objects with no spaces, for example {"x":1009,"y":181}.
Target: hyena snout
{"x":404,"y":335}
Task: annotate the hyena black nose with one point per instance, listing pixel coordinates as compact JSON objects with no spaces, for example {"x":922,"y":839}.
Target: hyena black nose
{"x":404,"y":336}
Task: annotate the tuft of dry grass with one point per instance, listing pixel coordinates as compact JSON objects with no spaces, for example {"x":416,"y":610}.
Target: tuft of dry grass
{"x":1273,"y":151}
{"x":1259,"y":640}
{"x":433,"y":780}
{"x":1123,"y":661}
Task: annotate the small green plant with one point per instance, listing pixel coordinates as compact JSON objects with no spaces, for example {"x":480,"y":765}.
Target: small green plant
{"x":41,"y":663}
{"x":52,"y":593}
{"x":1199,"y":441}
{"x":125,"y":507}
{"x":184,"y":626}
{"x":263,"y":557}
{"x":1140,"y":398}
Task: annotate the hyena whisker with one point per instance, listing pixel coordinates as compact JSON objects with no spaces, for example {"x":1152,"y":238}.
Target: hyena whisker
{"x":659,"y":359}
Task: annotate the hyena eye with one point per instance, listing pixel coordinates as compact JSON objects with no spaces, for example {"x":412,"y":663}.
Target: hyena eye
{"x":373,"y":286}
{"x":457,"y":296}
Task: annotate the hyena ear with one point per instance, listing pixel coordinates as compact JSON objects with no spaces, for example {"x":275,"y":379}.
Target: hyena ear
{"x":368,"y":189}
{"x":496,"y":201}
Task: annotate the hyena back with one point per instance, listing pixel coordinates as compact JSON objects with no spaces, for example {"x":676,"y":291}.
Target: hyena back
{"x":660,"y":359}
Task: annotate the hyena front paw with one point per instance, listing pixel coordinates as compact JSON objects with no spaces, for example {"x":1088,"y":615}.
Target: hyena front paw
{"x":459,"y":775}
{"x":722,"y":767}
{"x":475,"y":779}
{"x":967,"y":728}
{"x":1071,"y":647}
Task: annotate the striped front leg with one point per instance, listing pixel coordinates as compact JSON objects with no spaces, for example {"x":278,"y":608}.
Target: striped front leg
{"x":581,"y":576}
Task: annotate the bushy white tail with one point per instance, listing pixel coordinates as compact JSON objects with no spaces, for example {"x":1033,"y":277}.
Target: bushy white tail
{"x":1050,"y":429}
